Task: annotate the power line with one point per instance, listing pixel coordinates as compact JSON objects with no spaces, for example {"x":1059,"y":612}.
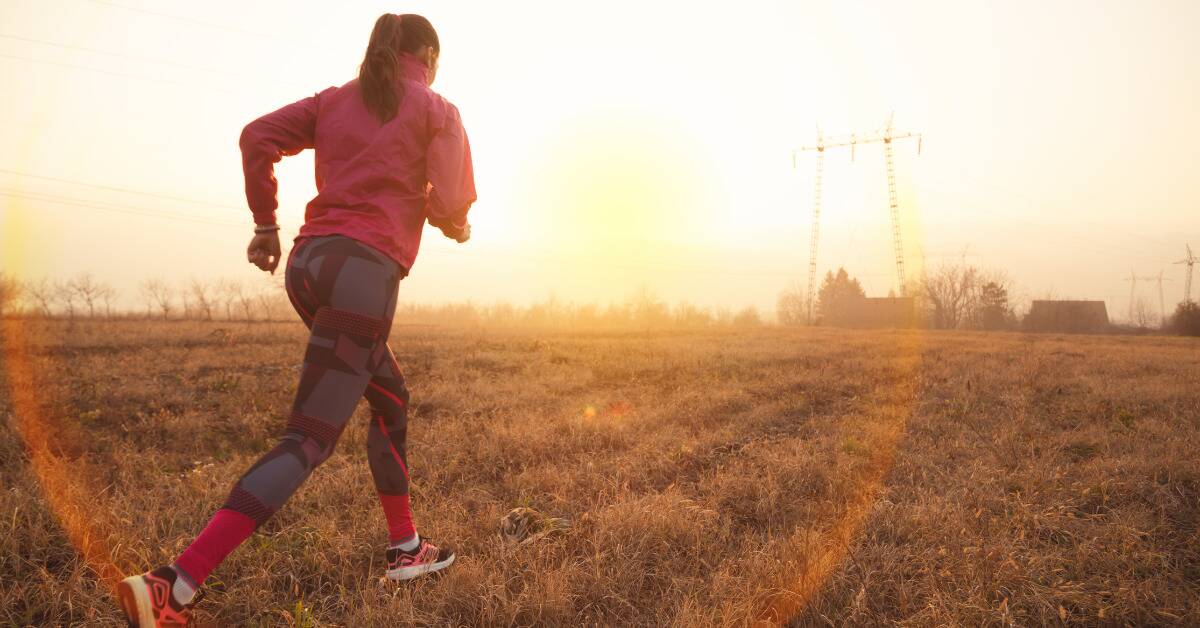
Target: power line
{"x":214,"y":25}
{"x":62,"y":200}
{"x":180,"y":18}
{"x":145,"y":59}
{"x":45,"y":42}
{"x":110,"y":188}
{"x":120,"y":74}
{"x":37,"y":195}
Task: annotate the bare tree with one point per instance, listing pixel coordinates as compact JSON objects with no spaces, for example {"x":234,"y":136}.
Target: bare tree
{"x":687,"y":315}
{"x":791,"y":309}
{"x":158,"y":295}
{"x":950,"y":292}
{"x":88,"y":290}
{"x":225,"y":292}
{"x":264,"y":298}
{"x":271,"y":300}
{"x":107,"y":295}
{"x":10,"y":293}
{"x":748,"y":317}
{"x":64,"y":293}
{"x":1143,"y":313}
{"x":202,"y":298}
{"x":244,"y":299}
{"x":42,"y":294}
{"x":647,"y":309}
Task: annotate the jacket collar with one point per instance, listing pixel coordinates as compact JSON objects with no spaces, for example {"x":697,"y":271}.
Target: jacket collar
{"x":413,"y":69}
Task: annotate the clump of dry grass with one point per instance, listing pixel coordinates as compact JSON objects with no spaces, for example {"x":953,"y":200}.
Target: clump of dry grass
{"x":710,"y":477}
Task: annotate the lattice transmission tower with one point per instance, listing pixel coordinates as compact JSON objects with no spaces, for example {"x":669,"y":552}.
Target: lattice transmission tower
{"x":1190,"y":261}
{"x":1162,"y":300}
{"x":883,"y":136}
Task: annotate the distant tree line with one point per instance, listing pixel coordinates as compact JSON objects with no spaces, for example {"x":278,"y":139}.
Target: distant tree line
{"x":642,"y":310}
{"x":85,"y":296}
{"x":950,"y":296}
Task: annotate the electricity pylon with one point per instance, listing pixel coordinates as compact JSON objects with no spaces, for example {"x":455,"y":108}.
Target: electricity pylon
{"x":880,"y":136}
{"x":1162,"y":301}
{"x":1190,"y":261}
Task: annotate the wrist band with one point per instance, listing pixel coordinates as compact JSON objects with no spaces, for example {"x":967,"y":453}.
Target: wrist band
{"x":265,"y":228}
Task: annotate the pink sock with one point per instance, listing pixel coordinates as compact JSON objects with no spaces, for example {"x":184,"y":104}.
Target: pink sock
{"x":399,"y":517}
{"x":224,"y":532}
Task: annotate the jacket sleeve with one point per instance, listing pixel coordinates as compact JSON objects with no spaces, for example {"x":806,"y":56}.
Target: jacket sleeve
{"x":448,"y":170}
{"x":264,"y":142}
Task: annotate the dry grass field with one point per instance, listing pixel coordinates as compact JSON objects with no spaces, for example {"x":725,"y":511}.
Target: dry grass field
{"x":711,"y":477}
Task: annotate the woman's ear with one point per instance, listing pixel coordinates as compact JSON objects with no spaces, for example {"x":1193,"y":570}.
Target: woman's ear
{"x":430,"y":57}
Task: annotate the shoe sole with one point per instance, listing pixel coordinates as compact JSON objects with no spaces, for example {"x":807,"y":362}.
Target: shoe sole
{"x":135,"y":601}
{"x":408,"y":573}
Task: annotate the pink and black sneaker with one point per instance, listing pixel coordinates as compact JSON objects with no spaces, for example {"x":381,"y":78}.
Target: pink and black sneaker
{"x":149,"y":601}
{"x":426,"y":558}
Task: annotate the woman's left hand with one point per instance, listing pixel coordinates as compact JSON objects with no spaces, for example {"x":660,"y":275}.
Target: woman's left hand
{"x":264,"y":251}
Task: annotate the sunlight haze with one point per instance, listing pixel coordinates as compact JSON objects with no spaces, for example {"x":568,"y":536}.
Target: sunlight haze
{"x":625,"y":145}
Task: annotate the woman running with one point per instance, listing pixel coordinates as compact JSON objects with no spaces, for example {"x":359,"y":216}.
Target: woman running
{"x":390,"y":155}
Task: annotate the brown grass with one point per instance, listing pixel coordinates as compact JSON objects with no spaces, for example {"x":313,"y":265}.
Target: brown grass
{"x":712,"y":477}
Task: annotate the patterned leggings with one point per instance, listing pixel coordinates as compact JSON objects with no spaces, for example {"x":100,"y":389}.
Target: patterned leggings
{"x":346,"y":294}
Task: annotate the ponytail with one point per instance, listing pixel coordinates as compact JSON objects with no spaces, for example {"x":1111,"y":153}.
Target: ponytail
{"x":379,"y":74}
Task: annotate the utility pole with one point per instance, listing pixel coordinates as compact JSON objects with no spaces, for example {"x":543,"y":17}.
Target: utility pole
{"x":1190,"y":261}
{"x":881,"y":136}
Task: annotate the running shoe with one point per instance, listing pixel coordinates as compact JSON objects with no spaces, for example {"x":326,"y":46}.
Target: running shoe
{"x":426,"y":558}
{"x":148,"y":602}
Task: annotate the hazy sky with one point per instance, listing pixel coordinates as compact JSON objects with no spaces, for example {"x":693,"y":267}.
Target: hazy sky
{"x":628,"y":144}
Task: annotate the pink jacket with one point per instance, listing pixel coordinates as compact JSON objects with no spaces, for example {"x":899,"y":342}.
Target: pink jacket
{"x":376,"y":183}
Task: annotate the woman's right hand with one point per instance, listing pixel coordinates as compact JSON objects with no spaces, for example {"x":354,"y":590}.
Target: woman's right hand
{"x":264,"y":251}
{"x":456,"y":233}
{"x":463,"y":235}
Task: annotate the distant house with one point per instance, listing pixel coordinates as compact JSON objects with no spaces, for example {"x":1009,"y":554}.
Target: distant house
{"x":875,"y":312}
{"x":1074,"y":317}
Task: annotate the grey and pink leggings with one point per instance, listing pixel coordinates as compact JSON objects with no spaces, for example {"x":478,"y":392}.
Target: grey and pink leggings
{"x":346,"y":294}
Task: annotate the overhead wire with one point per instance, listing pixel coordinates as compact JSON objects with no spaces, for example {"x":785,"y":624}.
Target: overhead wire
{"x":246,"y":32}
{"x":109,"y":72}
{"x":179,"y":18}
{"x":113,"y":207}
{"x":144,"y":59}
{"x":111,"y":188}
{"x":307,"y":44}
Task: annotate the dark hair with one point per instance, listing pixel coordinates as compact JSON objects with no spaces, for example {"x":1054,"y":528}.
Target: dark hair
{"x":379,"y":74}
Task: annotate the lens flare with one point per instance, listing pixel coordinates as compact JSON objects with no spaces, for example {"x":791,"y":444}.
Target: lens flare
{"x":883,"y":430}
{"x":75,"y":502}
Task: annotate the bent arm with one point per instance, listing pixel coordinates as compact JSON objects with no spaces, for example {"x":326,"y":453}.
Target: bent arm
{"x":264,"y":142}
{"x":449,"y":172}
